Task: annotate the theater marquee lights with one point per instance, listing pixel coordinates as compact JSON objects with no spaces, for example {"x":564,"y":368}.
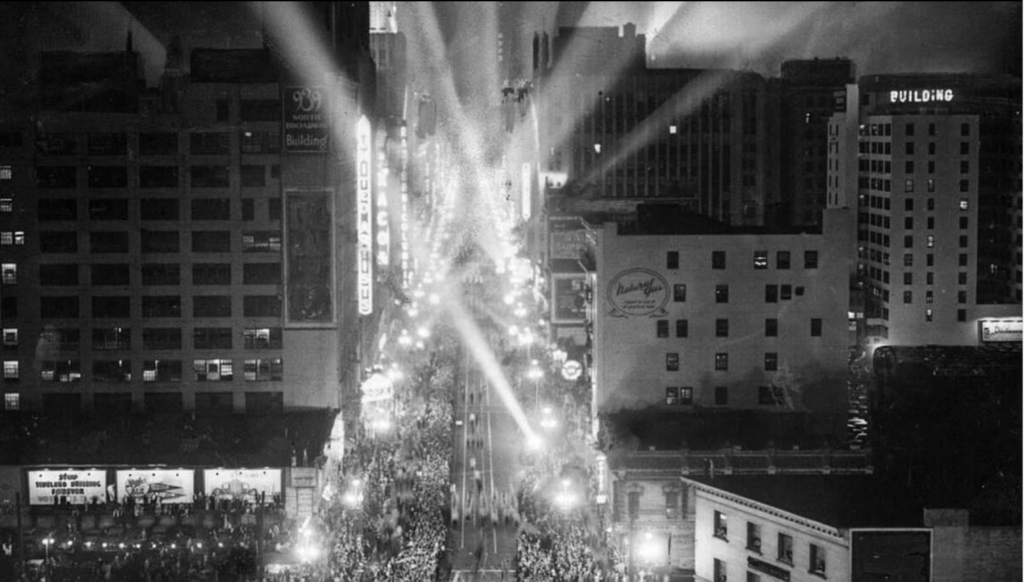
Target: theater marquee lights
{"x":364,"y":215}
{"x":921,"y":96}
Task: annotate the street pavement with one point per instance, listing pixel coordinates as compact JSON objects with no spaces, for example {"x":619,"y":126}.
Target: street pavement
{"x":486,"y":466}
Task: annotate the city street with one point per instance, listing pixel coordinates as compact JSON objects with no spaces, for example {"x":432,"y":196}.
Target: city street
{"x":486,"y":447}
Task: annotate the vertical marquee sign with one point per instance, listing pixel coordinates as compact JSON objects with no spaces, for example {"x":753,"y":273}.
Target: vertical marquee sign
{"x":305,"y":121}
{"x":309,"y":258}
{"x":364,"y":215}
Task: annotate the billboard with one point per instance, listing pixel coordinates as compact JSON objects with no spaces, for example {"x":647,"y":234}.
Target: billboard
{"x":568,"y":298}
{"x":1001,"y":330}
{"x":242,"y":484}
{"x":49,"y":486}
{"x":309,"y":258}
{"x":169,"y":485}
{"x":305,"y":121}
{"x":567,"y":238}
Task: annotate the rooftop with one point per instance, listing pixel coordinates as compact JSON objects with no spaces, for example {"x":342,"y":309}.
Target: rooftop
{"x":841,"y":501}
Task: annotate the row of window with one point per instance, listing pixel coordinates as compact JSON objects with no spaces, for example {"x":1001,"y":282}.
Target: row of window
{"x":120,"y":338}
{"x":102,"y":209}
{"x":119,"y":402}
{"x":152,"y":274}
{"x":120,"y":371}
{"x":119,"y":306}
{"x":160,"y":241}
{"x":771,"y":327}
{"x":817,"y":558}
{"x":877,"y":166}
{"x":718,"y":260}
{"x":683,"y":395}
{"x":200,"y":176}
{"x":909,"y":129}
{"x":772,"y":293}
{"x":771,"y":361}
{"x":166,"y":143}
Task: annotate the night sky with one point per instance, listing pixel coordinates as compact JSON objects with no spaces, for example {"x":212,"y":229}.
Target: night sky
{"x":881,"y":37}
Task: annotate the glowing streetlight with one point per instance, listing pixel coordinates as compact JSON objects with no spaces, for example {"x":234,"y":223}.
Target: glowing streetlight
{"x":434,"y":298}
{"x":423,"y":332}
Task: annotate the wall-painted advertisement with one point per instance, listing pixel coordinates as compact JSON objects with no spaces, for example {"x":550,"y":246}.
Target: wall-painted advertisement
{"x":167,"y":485}
{"x":309,"y":258}
{"x":77,"y":486}
{"x":242,"y":484}
{"x":305,"y":121}
{"x":638,"y":292}
{"x":568,"y":298}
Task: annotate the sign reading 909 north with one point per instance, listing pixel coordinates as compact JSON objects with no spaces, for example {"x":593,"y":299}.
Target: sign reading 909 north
{"x":305,"y":121}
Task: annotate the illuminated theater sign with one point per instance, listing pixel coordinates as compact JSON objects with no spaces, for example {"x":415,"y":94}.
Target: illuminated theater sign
{"x":364,"y":216}
{"x":921,"y":96}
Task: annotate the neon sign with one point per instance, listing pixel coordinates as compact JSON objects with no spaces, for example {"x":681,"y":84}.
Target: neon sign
{"x":921,"y":96}
{"x":364,"y":217}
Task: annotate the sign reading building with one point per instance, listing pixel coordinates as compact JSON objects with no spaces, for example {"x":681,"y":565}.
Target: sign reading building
{"x":75,"y":486}
{"x":305,"y":121}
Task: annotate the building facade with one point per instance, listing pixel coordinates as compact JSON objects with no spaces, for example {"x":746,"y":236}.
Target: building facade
{"x":616,"y":129}
{"x":179,"y":248}
{"x":727,"y":320}
{"x":935,"y":191}
{"x":808,"y":90}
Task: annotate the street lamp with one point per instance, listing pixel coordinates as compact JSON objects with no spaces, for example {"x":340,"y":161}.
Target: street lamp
{"x":47,"y":542}
{"x":535,"y":374}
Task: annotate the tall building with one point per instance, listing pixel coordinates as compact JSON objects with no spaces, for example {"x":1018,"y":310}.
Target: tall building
{"x":937,"y":178}
{"x":723,"y":318}
{"x":616,"y":129}
{"x":808,"y":90}
{"x":182,"y":247}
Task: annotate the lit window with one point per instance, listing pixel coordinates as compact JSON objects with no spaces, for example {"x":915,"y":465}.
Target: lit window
{"x":963,"y":204}
{"x":597,"y":148}
{"x":263,"y":369}
{"x":722,"y":361}
{"x":760,"y":259}
{"x":10,"y":273}
{"x":6,"y":238}
{"x":928,"y":315}
{"x":5,"y":173}
{"x":721,"y":525}
{"x":10,"y":369}
{"x":817,"y":561}
{"x":10,"y":337}
{"x":672,"y":129}
{"x":931,"y":240}
{"x":6,"y":206}
{"x":213,"y":370}
{"x":12,"y":401}
{"x":672,"y":362}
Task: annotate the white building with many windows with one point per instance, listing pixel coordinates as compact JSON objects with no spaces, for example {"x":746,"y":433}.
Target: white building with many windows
{"x":728,"y":319}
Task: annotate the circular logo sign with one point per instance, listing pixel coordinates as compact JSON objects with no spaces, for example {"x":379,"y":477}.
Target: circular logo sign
{"x":571,"y":370}
{"x":636,"y":292}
